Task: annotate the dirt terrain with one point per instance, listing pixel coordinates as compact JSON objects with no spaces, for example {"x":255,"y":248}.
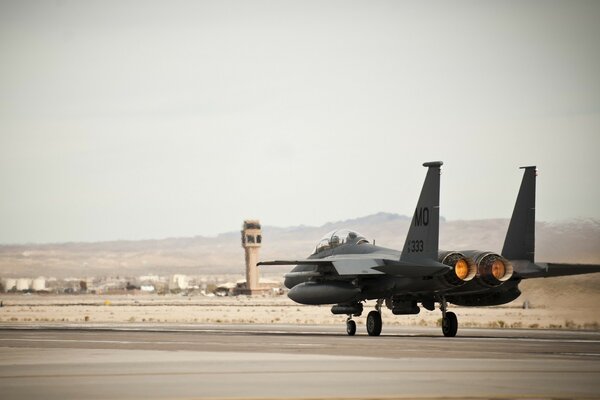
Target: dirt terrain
{"x":553,"y":303}
{"x":569,"y":302}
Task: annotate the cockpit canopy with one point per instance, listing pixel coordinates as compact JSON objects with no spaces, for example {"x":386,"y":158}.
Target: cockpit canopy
{"x":339,"y":237}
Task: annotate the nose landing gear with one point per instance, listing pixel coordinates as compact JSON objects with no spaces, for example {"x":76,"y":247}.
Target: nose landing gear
{"x":350,"y":326}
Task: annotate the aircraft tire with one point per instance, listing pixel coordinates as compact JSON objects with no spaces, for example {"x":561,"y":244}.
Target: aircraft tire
{"x":450,"y":324}
{"x":374,"y":323}
{"x":350,"y":327}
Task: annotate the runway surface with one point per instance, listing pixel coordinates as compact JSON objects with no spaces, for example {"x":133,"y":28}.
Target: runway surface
{"x":285,"y":361}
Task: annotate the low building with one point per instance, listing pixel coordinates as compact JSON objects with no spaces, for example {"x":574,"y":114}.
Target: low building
{"x":23,"y":284}
{"x":178,"y":282}
{"x":39,"y":284}
{"x":9,"y":284}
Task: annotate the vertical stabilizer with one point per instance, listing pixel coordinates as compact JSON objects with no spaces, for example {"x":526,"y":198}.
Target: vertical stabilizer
{"x":520,"y":237}
{"x":423,"y":234}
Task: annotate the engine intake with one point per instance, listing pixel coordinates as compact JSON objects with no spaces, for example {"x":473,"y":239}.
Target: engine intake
{"x":463,"y":268}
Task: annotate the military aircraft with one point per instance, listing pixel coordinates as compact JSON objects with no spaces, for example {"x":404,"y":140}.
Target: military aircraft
{"x":346,"y":270}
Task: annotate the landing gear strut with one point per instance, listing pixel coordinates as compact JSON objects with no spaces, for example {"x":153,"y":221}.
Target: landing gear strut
{"x":449,"y":320}
{"x":374,"y":323}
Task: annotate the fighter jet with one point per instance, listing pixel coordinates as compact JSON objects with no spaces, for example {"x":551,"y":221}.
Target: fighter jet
{"x":346,"y":270}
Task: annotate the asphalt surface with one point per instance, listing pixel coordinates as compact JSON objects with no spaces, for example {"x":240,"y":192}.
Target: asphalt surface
{"x":285,"y":361}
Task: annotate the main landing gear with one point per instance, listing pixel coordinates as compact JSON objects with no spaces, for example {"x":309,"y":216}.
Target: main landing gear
{"x":374,"y":322}
{"x":449,"y":320}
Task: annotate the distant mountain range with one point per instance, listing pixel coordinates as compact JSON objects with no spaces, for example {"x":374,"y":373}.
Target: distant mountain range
{"x":574,"y":241}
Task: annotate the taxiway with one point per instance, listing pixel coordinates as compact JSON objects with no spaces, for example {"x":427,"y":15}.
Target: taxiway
{"x":286,"y":361}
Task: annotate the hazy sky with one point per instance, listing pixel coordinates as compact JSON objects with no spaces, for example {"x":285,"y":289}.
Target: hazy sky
{"x":128,"y":120}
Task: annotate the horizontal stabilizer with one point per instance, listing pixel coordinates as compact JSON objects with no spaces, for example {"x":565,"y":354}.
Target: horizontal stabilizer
{"x":548,"y":270}
{"x":556,"y":269}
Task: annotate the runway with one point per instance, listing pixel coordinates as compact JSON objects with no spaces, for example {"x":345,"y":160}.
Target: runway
{"x":287,"y":361}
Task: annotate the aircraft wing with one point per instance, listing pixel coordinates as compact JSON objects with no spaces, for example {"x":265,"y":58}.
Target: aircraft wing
{"x":546,"y":270}
{"x":321,"y":261}
{"x":367,"y":264}
{"x":415,"y":270}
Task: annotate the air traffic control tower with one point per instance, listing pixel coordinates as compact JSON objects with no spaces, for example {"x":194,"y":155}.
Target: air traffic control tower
{"x":251,"y":241}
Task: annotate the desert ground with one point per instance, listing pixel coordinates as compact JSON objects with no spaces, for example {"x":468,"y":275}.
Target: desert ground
{"x":570,"y":303}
